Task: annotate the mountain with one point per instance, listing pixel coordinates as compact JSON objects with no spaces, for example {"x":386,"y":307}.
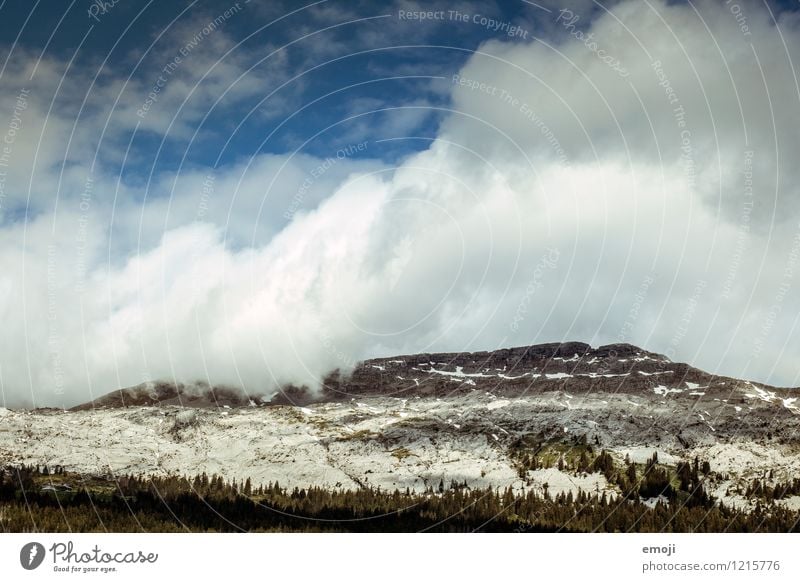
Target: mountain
{"x":163,"y":393}
{"x":571,"y":366}
{"x":530,"y":418}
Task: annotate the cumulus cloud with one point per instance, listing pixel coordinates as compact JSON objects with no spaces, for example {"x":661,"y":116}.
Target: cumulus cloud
{"x":628,"y":180}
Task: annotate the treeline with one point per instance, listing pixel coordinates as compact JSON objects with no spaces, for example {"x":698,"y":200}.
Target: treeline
{"x":682,"y":483}
{"x":777,"y":491}
{"x":36,"y":499}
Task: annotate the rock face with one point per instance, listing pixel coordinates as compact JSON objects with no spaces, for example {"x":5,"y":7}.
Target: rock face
{"x":541,"y":368}
{"x":574,"y":367}
{"x":413,"y":421}
{"x":169,"y":394}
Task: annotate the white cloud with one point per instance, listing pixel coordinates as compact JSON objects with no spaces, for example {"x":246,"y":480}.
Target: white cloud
{"x":446,"y":252}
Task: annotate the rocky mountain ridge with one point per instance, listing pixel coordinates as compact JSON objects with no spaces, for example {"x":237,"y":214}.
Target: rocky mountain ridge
{"x":570,"y":366}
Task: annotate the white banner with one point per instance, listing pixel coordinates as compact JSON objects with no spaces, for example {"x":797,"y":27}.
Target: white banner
{"x":331,"y":557}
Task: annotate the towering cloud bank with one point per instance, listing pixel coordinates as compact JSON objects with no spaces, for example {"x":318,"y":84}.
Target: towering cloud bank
{"x":627,"y":178}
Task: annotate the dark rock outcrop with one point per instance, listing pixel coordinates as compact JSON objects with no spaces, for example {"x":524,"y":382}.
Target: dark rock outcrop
{"x":571,"y":367}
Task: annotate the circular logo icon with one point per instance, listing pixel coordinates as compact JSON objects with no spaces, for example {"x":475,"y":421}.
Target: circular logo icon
{"x":31,"y":555}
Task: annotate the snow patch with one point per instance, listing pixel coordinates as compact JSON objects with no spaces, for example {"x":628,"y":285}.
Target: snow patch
{"x":558,"y":376}
{"x":653,"y":501}
{"x":459,"y":373}
{"x":663,"y":390}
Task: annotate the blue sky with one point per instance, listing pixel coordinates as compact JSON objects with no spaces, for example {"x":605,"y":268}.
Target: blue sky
{"x":337,"y":59}
{"x":334,"y":59}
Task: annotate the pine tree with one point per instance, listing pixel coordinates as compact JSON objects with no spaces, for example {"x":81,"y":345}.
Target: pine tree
{"x":630,"y":473}
{"x":583,"y":462}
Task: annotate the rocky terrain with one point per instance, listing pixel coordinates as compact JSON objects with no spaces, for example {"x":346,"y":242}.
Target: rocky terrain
{"x":416,"y":421}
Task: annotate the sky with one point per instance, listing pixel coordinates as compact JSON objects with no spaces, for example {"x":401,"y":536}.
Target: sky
{"x":254,"y":194}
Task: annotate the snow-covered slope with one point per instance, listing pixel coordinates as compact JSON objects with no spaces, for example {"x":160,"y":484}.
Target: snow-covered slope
{"x":413,"y":422}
